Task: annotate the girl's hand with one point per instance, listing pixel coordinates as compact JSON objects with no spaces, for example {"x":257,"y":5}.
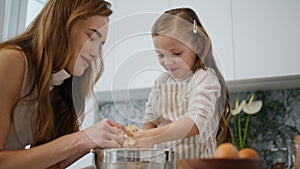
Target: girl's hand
{"x":143,"y":140}
{"x":138,"y":134}
{"x":105,"y":134}
{"x":144,"y":143}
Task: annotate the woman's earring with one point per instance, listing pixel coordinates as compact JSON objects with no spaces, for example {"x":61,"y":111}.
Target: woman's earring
{"x":195,"y":26}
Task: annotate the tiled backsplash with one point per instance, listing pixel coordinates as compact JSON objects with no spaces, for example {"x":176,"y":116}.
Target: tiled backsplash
{"x":123,"y":112}
{"x":278,"y":120}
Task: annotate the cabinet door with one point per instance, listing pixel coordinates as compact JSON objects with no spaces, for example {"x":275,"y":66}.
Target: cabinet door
{"x":215,"y":16}
{"x":266,"y":38}
{"x":134,"y":59}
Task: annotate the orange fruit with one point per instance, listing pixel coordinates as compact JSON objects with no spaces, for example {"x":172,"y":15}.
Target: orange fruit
{"x":248,"y":153}
{"x":226,"y":150}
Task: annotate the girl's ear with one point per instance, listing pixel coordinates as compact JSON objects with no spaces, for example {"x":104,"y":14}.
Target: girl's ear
{"x":198,"y":47}
{"x":202,"y":47}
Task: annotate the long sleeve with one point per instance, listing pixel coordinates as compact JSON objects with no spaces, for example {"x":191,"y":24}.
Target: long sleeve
{"x":150,"y":115}
{"x":203,"y":102}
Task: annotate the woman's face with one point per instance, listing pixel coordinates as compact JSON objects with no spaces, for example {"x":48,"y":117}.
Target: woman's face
{"x":90,"y":35}
{"x":176,"y":57}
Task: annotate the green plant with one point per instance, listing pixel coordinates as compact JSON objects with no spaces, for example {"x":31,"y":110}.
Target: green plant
{"x":250,"y":108}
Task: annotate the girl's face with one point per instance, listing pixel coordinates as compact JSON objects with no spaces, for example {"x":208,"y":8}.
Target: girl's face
{"x":90,"y":36}
{"x":176,"y":57}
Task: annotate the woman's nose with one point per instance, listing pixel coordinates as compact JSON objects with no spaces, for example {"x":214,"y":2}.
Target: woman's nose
{"x":94,"y":53}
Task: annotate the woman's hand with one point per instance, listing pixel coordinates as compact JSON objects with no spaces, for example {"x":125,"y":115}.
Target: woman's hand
{"x":105,"y":134}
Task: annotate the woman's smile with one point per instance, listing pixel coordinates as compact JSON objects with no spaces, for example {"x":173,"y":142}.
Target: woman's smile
{"x":86,"y":61}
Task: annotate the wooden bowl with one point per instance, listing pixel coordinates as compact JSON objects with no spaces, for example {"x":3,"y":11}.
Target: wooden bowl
{"x":199,"y":163}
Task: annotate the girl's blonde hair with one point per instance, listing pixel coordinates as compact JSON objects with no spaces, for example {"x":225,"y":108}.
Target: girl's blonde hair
{"x":184,"y":24}
{"x":47,"y":44}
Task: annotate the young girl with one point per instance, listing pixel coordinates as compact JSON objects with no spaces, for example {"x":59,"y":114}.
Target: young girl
{"x":188,"y":107}
{"x":46,"y":74}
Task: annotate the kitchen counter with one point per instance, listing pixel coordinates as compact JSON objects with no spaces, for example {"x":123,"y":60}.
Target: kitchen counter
{"x":284,"y":82}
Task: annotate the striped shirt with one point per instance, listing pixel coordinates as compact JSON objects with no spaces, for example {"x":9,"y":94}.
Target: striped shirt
{"x":194,"y":96}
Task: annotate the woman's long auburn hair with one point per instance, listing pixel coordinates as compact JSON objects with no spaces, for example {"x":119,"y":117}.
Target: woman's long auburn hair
{"x":180,"y":21}
{"x":47,"y":44}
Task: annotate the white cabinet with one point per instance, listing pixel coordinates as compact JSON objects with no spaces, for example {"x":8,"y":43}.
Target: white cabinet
{"x":266,"y":38}
{"x":251,"y":39}
{"x":215,"y":16}
{"x":104,"y":83}
{"x":131,"y":61}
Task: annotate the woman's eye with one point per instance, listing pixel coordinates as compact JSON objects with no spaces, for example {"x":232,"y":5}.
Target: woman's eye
{"x":90,"y":37}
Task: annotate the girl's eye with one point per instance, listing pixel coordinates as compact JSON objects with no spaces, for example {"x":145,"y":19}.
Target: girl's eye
{"x":176,"y":54}
{"x":160,"y":55}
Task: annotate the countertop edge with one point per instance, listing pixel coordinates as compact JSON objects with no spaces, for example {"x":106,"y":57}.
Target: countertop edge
{"x":270,"y":83}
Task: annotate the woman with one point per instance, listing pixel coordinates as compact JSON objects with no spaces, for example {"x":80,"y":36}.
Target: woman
{"x":46,"y":75}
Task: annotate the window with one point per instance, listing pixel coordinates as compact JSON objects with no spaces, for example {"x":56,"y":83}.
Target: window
{"x":16,"y":15}
{"x":33,"y":9}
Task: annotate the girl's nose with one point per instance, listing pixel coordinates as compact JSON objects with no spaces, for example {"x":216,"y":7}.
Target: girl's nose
{"x":168,"y":60}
